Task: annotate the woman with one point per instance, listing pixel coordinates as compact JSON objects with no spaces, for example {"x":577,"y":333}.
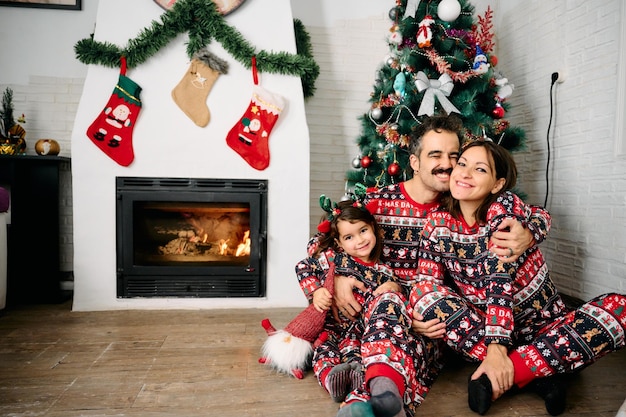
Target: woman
{"x":508,"y":317}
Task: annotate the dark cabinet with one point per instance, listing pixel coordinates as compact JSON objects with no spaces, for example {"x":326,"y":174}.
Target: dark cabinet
{"x":33,"y":270}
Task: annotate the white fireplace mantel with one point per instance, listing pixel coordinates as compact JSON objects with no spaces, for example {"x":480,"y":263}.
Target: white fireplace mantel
{"x":168,"y":144}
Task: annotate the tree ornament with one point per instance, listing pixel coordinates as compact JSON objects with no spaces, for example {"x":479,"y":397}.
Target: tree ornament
{"x":393,"y":169}
{"x":494,"y":60}
{"x":424,"y":32}
{"x":393,"y":13}
{"x":498,"y":111}
{"x":448,"y":10}
{"x":356,"y":162}
{"x":366,"y":161}
{"x":376,"y":113}
{"x":480,"y":65}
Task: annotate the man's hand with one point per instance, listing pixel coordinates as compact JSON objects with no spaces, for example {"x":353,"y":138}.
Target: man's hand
{"x":511,"y":240}
{"x":433,"y":329}
{"x":344,"y":299}
{"x":388,"y":286}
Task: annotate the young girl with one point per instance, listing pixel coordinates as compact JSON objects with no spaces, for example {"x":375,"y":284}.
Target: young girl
{"x":508,"y":317}
{"x":351,"y":238}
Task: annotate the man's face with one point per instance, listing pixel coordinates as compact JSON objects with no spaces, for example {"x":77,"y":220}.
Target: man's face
{"x":440,"y":151}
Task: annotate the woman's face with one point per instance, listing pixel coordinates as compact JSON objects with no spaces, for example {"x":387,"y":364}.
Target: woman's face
{"x":356,"y":239}
{"x":474,"y":178}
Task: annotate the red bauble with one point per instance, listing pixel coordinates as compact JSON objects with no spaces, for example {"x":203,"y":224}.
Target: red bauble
{"x":393,"y":169}
{"x":493,"y":60}
{"x":498,"y":112}
{"x":366,"y":161}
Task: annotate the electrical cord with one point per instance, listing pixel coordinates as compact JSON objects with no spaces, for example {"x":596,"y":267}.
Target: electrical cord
{"x":555,"y":76}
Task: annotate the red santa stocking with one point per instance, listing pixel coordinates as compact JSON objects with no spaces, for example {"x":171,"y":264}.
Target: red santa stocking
{"x":250,"y":135}
{"x":113,"y":128}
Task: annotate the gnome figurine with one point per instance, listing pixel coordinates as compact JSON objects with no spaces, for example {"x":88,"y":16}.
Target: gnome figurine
{"x":290,"y":350}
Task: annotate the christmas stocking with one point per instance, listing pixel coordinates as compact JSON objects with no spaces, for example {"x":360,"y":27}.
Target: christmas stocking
{"x":250,"y":136}
{"x":113,"y":128}
{"x":192,"y":91}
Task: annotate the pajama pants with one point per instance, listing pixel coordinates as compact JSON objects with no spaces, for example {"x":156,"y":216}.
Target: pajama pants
{"x":387,"y":341}
{"x":566,"y":343}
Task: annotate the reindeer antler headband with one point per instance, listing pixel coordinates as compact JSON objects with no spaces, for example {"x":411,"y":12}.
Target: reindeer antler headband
{"x":330,"y":207}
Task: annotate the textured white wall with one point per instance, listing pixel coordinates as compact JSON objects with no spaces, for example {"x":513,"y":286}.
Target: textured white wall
{"x":587,"y":245}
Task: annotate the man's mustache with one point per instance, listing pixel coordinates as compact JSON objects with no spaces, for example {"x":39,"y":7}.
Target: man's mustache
{"x":442,"y":171}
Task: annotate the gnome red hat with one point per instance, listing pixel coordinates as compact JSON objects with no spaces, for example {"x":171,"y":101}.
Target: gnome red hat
{"x":290,"y":350}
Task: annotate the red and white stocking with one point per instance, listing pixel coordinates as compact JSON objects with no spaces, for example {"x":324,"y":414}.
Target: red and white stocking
{"x":113,"y":128}
{"x":250,"y":135}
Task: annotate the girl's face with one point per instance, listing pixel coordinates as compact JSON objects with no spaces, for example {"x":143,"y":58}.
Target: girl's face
{"x":474,"y":178}
{"x":356,"y":239}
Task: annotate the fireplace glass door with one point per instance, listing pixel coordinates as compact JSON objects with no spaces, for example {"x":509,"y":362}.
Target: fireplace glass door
{"x":191,"y":237}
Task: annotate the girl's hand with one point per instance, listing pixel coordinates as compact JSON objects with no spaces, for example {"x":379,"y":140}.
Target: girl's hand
{"x":433,"y":329}
{"x":498,"y":368}
{"x":388,"y":286}
{"x":322,"y":300}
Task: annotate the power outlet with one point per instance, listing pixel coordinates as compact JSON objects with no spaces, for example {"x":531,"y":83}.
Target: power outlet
{"x":558,"y":77}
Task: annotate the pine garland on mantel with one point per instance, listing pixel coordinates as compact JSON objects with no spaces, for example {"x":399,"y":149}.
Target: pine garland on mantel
{"x":203,"y":23}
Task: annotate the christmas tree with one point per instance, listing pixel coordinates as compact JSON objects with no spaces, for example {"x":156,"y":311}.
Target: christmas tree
{"x":441,"y":60}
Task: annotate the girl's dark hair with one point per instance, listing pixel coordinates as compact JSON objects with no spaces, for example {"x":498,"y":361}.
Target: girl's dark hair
{"x":352,"y":214}
{"x":504,"y":167}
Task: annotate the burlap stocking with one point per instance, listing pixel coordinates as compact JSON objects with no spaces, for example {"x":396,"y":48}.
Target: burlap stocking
{"x":192,"y":91}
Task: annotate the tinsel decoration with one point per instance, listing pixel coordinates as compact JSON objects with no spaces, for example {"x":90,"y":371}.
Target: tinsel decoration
{"x":204,"y":23}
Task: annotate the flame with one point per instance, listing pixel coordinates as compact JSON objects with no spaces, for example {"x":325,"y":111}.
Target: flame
{"x":223,"y":246}
{"x":244,"y":248}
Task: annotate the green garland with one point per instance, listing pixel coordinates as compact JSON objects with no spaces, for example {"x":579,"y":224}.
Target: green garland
{"x":203,"y":22}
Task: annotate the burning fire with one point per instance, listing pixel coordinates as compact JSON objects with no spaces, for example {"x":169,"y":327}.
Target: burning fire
{"x":244,"y":248}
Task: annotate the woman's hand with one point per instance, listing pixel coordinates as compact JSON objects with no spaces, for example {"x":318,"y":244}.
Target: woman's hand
{"x":322,"y":299}
{"x":498,"y":368}
{"x":344,"y":298}
{"x":510,"y":240}
{"x":433,"y":329}
{"x":388,"y":286}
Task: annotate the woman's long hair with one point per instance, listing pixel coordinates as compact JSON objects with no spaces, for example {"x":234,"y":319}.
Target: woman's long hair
{"x":504,"y":166}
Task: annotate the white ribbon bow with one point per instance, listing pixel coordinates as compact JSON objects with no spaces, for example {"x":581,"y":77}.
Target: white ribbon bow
{"x":440,"y":88}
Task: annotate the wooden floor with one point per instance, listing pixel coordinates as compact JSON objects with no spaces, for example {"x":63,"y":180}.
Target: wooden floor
{"x":58,"y":363}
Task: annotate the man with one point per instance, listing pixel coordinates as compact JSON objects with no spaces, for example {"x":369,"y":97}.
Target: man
{"x":401,"y":210}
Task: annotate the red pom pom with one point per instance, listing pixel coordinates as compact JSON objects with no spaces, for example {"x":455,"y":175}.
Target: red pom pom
{"x":493,"y":60}
{"x":393,"y":169}
{"x":324,"y":227}
{"x":366,"y":161}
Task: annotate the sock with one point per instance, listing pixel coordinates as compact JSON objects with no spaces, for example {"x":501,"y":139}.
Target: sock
{"x":386,"y":400}
{"x":553,"y":391}
{"x":113,"y":129}
{"x":193,"y":89}
{"x":356,"y":409}
{"x":523,"y":375}
{"x":250,"y":135}
{"x":337,"y":382}
{"x":479,"y":394}
{"x":356,"y":375}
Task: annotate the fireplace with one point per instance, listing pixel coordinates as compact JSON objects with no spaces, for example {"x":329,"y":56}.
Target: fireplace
{"x":186,"y":237}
